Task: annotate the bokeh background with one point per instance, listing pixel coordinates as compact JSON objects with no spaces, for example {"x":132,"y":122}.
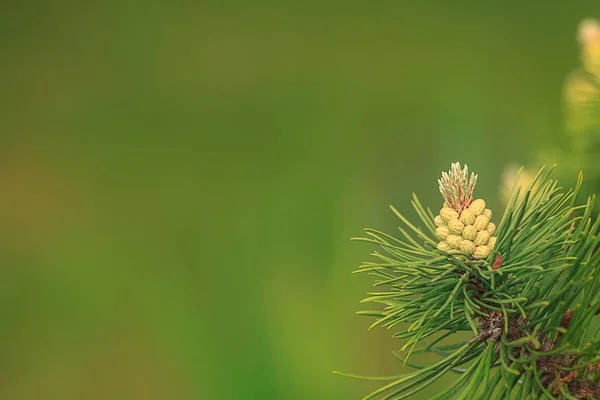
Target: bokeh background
{"x":179,"y":180}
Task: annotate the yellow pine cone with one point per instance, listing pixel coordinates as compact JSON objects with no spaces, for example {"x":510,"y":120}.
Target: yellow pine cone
{"x":481,"y":251}
{"x":443,"y":246}
{"x":482,"y":238}
{"x":442,"y":232}
{"x":467,"y":247}
{"x":438,"y":221}
{"x":477,"y":206}
{"x":453,"y":241}
{"x":456,"y":227}
{"x":481,"y":222}
{"x":448,"y":214}
{"x":467,"y":217}
{"x":469,"y":233}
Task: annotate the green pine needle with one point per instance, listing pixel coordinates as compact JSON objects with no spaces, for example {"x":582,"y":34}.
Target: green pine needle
{"x":522,"y":345}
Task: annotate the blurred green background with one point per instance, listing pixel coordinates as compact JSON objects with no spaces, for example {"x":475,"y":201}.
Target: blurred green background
{"x":179,"y":181}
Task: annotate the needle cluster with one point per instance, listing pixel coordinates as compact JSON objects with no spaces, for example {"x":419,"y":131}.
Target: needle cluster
{"x":528,"y":307}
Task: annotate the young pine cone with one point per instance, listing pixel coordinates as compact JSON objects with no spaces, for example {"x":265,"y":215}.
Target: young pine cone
{"x":463,"y":225}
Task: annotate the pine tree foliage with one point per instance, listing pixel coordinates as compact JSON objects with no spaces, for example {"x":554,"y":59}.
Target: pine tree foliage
{"x":529,"y":306}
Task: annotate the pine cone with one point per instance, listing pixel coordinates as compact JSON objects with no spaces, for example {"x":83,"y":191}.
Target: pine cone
{"x":463,"y":225}
{"x":470,"y":233}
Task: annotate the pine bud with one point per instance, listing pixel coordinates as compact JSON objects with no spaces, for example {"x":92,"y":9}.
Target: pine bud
{"x":481,"y":222}
{"x":442,"y":232}
{"x":469,"y":233}
{"x":477,"y":206}
{"x":456,"y":227}
{"x":438,"y":221}
{"x":467,"y":217}
{"x":463,"y":224}
{"x":481,"y":252}
{"x":467,"y":247}
{"x":482,"y":238}
{"x":448,"y":214}
{"x":453,"y":241}
{"x":443,"y":246}
{"x":457,"y":186}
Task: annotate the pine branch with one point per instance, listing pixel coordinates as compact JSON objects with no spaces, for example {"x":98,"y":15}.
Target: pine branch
{"x":528,"y":294}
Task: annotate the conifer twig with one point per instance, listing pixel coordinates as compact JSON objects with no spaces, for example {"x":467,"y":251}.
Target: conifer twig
{"x":528,"y":290}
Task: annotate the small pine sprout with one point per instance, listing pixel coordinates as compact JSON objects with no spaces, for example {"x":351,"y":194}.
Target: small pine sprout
{"x":589,"y":38}
{"x":588,"y":32}
{"x":456,"y":187}
{"x":463,"y":223}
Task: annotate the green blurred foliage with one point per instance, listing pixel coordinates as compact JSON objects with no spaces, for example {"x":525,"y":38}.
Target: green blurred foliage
{"x":180,"y":180}
{"x":581,"y":145}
